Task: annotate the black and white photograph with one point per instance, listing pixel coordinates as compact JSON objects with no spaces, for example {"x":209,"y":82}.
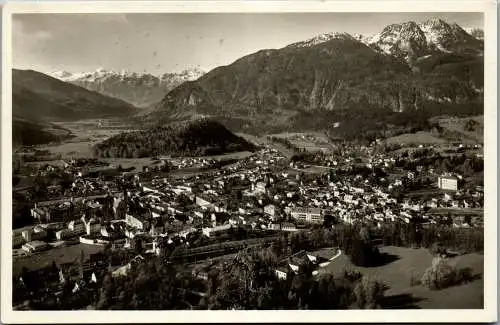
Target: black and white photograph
{"x":184,"y":160}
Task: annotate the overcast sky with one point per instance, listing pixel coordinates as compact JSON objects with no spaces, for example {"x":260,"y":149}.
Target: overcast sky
{"x":158,"y":43}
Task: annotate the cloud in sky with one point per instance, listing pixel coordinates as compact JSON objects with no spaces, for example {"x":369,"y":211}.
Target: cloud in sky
{"x":171,"y":42}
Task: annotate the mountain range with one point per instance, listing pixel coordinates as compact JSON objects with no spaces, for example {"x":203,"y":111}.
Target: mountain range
{"x":38,"y":99}
{"x":139,"y":89}
{"x":36,"y":96}
{"x":410,"y":40}
{"x":419,"y":69}
{"x":425,"y":67}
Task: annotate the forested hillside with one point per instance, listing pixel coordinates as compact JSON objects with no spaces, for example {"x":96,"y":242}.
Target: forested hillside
{"x":193,"y":138}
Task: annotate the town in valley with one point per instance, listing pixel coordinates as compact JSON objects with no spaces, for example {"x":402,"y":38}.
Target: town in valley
{"x":279,"y":181}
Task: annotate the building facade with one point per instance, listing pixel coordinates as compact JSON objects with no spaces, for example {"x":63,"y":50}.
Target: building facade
{"x":448,"y":183}
{"x":307,"y":215}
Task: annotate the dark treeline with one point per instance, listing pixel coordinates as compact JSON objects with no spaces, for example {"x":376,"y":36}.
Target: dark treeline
{"x":462,"y":164}
{"x":247,"y":282}
{"x":27,"y":133}
{"x":195,"y":138}
{"x":370,"y":125}
{"x":357,"y":239}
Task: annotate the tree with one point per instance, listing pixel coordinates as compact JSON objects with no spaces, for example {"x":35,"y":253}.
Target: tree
{"x":440,"y":275}
{"x":106,"y":293}
{"x":54,"y":268}
{"x":369,"y":293}
{"x":81,"y":263}
{"x":362,"y":253}
{"x":437,"y":249}
{"x":364,"y":234}
{"x":137,"y":245}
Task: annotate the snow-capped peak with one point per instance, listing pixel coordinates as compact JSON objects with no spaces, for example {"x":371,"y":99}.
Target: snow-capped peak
{"x":434,"y":23}
{"x":61,"y":74}
{"x":101,"y":70}
{"x":362,"y":38}
{"x":103,"y":74}
{"x":402,"y":39}
{"x":410,"y":40}
{"x":323,"y":38}
{"x":475,"y":32}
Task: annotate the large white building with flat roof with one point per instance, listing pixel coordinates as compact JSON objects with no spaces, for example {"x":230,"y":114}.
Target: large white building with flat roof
{"x":309,"y":215}
{"x":448,"y":183}
{"x":35,"y":246}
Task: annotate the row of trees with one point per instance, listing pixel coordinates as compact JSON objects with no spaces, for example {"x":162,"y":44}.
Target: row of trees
{"x":247,"y":282}
{"x":356,"y":240}
{"x":462,"y":164}
{"x":411,"y":235}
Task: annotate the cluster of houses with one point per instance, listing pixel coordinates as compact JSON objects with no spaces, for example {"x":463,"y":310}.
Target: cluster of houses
{"x":301,"y":261}
{"x":257,"y":193}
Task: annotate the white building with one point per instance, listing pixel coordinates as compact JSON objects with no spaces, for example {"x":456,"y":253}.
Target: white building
{"x":312,"y":215}
{"x":34,"y":234}
{"x":35,"y":246}
{"x":209,"y":231}
{"x":448,"y":183}
{"x":134,"y":222}
{"x":76,"y":225}
{"x":92,"y":227}
{"x":270,"y":209}
{"x":66,"y":233}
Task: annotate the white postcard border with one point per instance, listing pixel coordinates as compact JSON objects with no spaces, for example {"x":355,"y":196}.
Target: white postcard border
{"x":488,"y":314}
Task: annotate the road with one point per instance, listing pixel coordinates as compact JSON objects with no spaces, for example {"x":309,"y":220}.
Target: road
{"x":317,"y":272}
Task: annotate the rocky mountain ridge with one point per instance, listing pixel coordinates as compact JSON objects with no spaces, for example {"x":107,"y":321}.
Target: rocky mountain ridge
{"x":139,"y":89}
{"x":406,"y":67}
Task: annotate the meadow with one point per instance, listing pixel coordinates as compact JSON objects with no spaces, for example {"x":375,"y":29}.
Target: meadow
{"x":406,"y":264}
{"x":452,"y":129}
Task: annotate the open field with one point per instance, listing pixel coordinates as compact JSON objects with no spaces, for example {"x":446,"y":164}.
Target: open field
{"x":86,"y":134}
{"x":89,"y":132}
{"x":312,"y":170}
{"x":407,"y":263}
{"x":137,"y":163}
{"x":263,"y":140}
{"x":253,"y":138}
{"x":455,"y":127}
{"x":421,"y":137}
{"x":310,"y":141}
{"x":63,"y":254}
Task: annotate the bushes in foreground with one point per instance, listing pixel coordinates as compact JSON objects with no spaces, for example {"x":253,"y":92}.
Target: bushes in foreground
{"x":442,"y":275}
{"x":369,"y":293}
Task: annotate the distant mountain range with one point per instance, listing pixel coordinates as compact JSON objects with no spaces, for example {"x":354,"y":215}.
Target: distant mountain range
{"x":410,"y":40}
{"x":38,"y":99}
{"x":36,"y":96}
{"x":309,"y":84}
{"x":421,"y":69}
{"x":139,"y":89}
